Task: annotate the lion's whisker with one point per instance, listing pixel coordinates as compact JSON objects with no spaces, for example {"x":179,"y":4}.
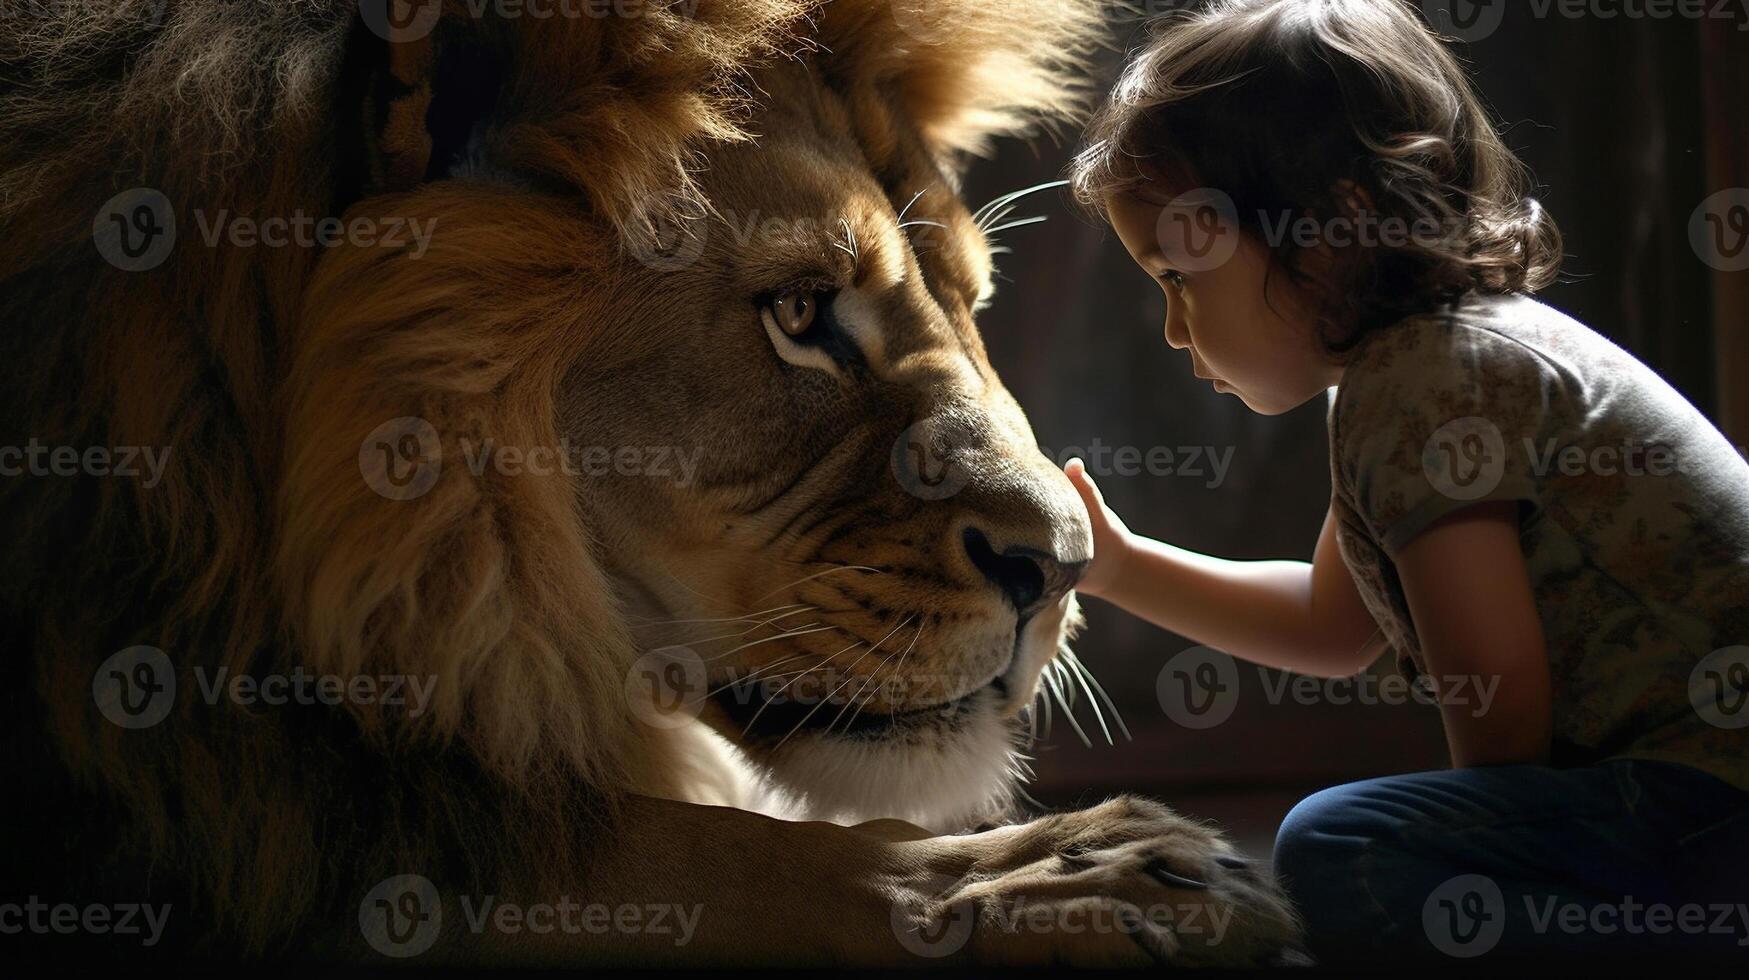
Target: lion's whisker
{"x":828,"y":697}
{"x":646,"y":623}
{"x":809,"y":578}
{"x":906,"y":209}
{"x":876,"y":672}
{"x":1056,"y":683}
{"x":1017,"y":224}
{"x":1012,"y":196}
{"x":1044,"y":697}
{"x":799,"y":631}
{"x":804,"y":719}
{"x":818,"y":666}
{"x":1079,"y":674}
{"x":850,"y":235}
{"x":760,"y":674}
{"x":697,"y":641}
{"x":701,"y":595}
{"x":1099,"y":689}
{"x":997,"y":216}
{"x":763,"y":622}
{"x":758,"y":671}
{"x":921,"y":623}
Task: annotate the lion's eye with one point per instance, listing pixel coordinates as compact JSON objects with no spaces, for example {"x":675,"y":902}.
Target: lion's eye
{"x":806,"y":331}
{"x":794,"y":312}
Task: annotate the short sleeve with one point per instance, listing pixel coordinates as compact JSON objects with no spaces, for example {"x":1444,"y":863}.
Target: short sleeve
{"x":1433,"y":416}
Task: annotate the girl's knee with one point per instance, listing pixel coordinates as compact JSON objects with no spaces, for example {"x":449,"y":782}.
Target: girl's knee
{"x":1328,"y":829}
{"x":1329,"y":854}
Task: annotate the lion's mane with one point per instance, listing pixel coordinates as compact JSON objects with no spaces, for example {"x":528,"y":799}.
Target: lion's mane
{"x":262,"y":549}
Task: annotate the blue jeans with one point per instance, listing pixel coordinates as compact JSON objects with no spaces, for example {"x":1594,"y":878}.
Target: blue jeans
{"x":1442,"y":867}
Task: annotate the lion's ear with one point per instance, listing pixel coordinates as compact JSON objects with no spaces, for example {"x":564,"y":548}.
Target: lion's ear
{"x":963,"y":72}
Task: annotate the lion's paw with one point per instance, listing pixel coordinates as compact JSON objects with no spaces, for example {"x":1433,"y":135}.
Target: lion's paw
{"x":1125,"y":882}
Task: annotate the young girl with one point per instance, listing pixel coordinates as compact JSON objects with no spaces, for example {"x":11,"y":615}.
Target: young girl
{"x":1517,"y":501}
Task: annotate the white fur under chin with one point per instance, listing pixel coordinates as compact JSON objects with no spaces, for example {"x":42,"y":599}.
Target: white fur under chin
{"x":943,"y":786}
{"x":942,"y":782}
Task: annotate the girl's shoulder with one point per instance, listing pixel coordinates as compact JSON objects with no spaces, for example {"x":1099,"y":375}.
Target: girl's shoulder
{"x":1504,"y":352}
{"x":1483,"y":332}
{"x":1460,"y":359}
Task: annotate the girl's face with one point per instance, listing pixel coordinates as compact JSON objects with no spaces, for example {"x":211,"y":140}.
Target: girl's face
{"x":1266,"y":353}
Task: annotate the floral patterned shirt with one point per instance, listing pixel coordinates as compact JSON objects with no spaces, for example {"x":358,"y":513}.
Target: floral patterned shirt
{"x":1634,"y":518}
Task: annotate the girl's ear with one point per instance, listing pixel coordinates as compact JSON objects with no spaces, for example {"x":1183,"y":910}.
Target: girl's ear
{"x":1354,"y":198}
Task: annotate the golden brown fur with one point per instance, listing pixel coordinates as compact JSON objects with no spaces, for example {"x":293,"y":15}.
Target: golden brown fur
{"x":529,"y":320}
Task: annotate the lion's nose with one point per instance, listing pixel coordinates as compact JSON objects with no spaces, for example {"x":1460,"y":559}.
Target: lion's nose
{"x":1028,"y":577}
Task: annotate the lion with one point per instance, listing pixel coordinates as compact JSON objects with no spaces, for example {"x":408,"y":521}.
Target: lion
{"x":543,"y":360}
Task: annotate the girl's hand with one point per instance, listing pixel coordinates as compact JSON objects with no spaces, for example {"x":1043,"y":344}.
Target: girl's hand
{"x":1112,"y":541}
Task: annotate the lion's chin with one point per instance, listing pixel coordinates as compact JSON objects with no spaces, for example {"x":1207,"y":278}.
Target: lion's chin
{"x":946,"y":768}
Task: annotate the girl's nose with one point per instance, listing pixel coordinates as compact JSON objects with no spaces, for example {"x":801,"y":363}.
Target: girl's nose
{"x":1177,"y":336}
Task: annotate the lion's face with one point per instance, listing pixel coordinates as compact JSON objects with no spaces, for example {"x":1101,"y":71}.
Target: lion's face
{"x":856,"y":535}
{"x":791,"y":455}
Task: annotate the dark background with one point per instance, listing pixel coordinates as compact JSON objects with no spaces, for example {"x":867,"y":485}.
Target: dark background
{"x":1612,"y":117}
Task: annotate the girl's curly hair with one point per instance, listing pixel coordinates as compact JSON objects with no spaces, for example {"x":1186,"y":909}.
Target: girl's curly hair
{"x":1329,"y":110}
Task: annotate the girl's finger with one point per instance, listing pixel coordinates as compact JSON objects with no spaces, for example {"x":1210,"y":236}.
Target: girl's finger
{"x":1084,"y":485}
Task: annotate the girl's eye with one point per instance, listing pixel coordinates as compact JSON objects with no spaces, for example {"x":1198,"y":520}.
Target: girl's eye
{"x":1174,"y":277}
{"x":794,"y":312}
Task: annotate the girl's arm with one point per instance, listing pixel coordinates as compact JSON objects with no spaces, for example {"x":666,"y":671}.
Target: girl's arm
{"x":1475,"y":614}
{"x":1305,"y":617}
